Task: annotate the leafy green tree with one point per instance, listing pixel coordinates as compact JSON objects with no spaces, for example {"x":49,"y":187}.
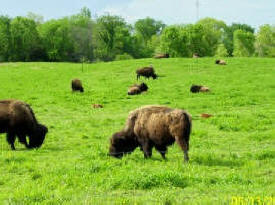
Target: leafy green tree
{"x":265,"y":41}
{"x":57,"y":40}
{"x":221,"y":51}
{"x":38,"y":19}
{"x":113,"y":37}
{"x":174,"y":41}
{"x":243,"y":43}
{"x":25,"y":41}
{"x":4,"y":38}
{"x":148,"y":27}
{"x":213,"y":30}
{"x":229,"y":33}
{"x":81,"y":31}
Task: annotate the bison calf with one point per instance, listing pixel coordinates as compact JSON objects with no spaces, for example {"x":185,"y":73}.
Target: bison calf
{"x":152,"y":126}
{"x":18,"y":120}
{"x":137,"y":89}
{"x":77,"y":85}
{"x":147,"y":72}
{"x":199,"y":88}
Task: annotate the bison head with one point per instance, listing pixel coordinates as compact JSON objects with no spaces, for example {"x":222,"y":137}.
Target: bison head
{"x":37,"y":139}
{"x":143,"y":87}
{"x":122,"y":143}
{"x":154,"y":76}
{"x":217,"y":61}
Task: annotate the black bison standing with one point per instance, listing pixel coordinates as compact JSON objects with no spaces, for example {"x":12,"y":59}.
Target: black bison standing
{"x":199,"y":88}
{"x":18,"y":120}
{"x":137,"y":89}
{"x":152,"y":126}
{"x":147,"y":72}
{"x":77,"y":85}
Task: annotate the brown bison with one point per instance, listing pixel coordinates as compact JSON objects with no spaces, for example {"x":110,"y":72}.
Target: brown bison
{"x":97,"y":106}
{"x":77,"y":85}
{"x":164,"y":55}
{"x":147,"y":72}
{"x":199,"y":88}
{"x":18,"y":120}
{"x":137,"y":89}
{"x":220,"y":62}
{"x":152,"y":126}
{"x":196,"y":55}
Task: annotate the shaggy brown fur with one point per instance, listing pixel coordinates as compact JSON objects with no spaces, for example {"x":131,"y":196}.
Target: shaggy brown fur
{"x":220,"y":62}
{"x":199,"y":88}
{"x":137,"y":89}
{"x":18,"y":119}
{"x":77,"y":85}
{"x":153,"y":126}
{"x":97,"y":106}
{"x":147,"y":72}
{"x":164,"y":55}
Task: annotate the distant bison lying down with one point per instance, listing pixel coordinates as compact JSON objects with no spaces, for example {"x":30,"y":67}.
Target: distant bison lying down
{"x":152,"y":126}
{"x":137,"y":89}
{"x":147,"y":72}
{"x":165,"y":55}
{"x":199,"y":88}
{"x":77,"y":85}
{"x":220,"y":62}
{"x":18,"y":120}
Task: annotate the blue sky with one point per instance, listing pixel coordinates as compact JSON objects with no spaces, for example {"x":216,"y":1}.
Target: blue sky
{"x":253,"y":12}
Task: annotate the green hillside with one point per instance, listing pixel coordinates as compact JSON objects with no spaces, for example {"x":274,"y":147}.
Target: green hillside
{"x":231,"y":154}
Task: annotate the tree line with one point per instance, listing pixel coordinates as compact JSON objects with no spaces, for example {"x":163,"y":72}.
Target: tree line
{"x":80,"y":37}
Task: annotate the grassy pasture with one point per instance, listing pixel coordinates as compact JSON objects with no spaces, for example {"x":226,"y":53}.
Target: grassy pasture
{"x":231,"y":154}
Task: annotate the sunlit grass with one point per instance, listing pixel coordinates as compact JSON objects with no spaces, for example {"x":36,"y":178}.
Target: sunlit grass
{"x":231,"y":154}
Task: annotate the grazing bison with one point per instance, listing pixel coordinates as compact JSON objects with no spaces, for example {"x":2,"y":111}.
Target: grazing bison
{"x":137,"y":89}
{"x":152,"y":126}
{"x":199,"y":88}
{"x":18,"y":120}
{"x":77,"y":85}
{"x":220,"y":62}
{"x":165,"y":55}
{"x":147,"y":72}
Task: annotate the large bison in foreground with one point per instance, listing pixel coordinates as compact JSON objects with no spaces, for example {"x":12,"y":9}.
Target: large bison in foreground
{"x":18,"y":120}
{"x":152,"y":126}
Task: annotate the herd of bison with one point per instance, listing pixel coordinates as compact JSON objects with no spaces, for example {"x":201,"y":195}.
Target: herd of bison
{"x":147,"y":127}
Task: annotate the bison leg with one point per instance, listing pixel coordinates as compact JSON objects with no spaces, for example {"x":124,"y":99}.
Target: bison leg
{"x":147,"y":149}
{"x":22,"y":139}
{"x":184,"y":146}
{"x":11,"y":139}
{"x":162,"y":150}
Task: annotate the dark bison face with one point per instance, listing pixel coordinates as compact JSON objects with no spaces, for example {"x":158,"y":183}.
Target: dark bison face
{"x":121,"y":144}
{"x":217,"y":61}
{"x":154,"y":76}
{"x":37,"y":139}
{"x":143,"y":87}
{"x":81,"y":89}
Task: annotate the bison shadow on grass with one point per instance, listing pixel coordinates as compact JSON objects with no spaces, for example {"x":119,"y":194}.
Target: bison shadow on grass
{"x":152,"y":126}
{"x":18,"y":120}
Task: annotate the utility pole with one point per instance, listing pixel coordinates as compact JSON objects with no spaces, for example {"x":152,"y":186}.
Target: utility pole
{"x":197,"y":8}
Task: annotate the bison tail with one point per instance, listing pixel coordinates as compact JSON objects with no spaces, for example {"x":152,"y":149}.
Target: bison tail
{"x":187,"y":128}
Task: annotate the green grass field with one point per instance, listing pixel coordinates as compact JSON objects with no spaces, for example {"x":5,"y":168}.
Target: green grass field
{"x":231,"y":154}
